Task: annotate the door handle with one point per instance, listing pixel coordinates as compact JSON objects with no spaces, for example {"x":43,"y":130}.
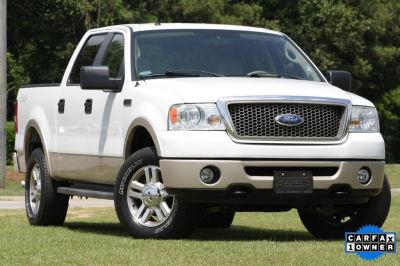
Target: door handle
{"x":127,"y":102}
{"x":61,"y":106}
{"x":88,"y":106}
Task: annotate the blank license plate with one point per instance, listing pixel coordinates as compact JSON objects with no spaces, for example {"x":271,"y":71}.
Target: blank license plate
{"x":293,"y":182}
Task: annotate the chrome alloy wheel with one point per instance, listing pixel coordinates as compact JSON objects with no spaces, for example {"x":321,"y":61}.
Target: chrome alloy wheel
{"x":149,"y":203}
{"x":35,"y":189}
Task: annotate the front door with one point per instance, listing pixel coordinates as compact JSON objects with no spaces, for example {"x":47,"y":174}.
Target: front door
{"x":80,"y":117}
{"x":104,"y":137}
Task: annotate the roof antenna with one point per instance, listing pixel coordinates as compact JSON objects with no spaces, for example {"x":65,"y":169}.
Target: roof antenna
{"x":157,"y":23}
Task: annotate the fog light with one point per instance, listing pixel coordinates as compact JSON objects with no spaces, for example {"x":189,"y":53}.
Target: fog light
{"x":206,"y":175}
{"x":209,"y":175}
{"x":364,"y":176}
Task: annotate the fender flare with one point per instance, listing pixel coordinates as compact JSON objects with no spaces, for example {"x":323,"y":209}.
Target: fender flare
{"x":32,"y":124}
{"x":140,"y":122}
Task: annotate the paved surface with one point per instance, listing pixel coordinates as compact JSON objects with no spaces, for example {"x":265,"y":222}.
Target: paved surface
{"x":396,"y":190}
{"x":18,"y":202}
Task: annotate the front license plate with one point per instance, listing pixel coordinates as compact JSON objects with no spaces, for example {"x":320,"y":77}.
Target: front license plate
{"x":293,"y":182}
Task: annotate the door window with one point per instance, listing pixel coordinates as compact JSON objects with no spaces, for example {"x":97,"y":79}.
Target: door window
{"x":86,"y":57}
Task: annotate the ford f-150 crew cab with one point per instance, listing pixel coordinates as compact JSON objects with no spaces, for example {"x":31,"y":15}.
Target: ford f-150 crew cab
{"x":182,"y":125}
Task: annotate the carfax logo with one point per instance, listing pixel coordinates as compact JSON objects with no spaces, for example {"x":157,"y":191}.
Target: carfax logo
{"x":370,"y":242}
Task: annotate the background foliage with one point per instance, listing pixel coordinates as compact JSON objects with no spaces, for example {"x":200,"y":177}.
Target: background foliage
{"x":361,"y":36}
{"x":10,"y":131}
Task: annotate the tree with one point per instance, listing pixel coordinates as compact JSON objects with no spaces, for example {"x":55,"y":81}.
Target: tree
{"x":361,"y":36}
{"x":389,"y":109}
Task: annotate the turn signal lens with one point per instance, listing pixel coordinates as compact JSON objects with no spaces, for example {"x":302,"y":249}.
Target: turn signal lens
{"x":214,"y":120}
{"x":173,"y":115}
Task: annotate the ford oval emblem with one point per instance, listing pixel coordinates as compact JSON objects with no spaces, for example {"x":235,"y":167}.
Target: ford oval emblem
{"x":289,"y":120}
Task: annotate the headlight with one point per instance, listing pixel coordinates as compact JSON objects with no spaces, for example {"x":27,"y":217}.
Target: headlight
{"x":195,"y":117}
{"x":364,"y":119}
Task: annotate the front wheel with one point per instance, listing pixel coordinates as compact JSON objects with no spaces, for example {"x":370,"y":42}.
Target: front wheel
{"x":331,"y":222}
{"x":144,"y":206}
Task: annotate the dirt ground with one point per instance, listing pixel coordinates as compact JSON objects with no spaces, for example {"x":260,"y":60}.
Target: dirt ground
{"x":12,"y":175}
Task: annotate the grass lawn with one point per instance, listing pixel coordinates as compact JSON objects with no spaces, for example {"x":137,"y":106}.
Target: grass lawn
{"x":393,"y":172}
{"x":93,"y":236}
{"x":13,"y":188}
{"x":13,"y":183}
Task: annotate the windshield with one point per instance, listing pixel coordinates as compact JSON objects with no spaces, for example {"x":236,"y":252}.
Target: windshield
{"x":218,"y":53}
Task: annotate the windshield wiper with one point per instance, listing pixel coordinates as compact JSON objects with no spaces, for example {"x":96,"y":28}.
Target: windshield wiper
{"x":181,"y":73}
{"x":262,"y":74}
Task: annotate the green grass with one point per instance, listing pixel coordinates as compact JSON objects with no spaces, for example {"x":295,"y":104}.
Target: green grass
{"x":393,"y":172}
{"x":13,"y":188}
{"x":94,"y":236}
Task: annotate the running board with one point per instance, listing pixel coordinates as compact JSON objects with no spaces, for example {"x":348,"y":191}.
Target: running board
{"x":90,"y":191}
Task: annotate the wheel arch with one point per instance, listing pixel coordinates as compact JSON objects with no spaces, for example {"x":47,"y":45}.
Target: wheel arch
{"x":33,"y":134}
{"x":140,"y":129}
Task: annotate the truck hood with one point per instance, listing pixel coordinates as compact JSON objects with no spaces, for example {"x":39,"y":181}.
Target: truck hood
{"x":210,"y":89}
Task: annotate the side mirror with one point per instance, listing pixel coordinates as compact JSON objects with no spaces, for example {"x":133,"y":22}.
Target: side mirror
{"x":98,"y":78}
{"x":341,"y":79}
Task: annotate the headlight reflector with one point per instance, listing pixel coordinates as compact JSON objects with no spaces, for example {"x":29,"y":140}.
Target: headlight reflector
{"x":195,"y":117}
{"x":364,"y":119}
{"x":188,"y":115}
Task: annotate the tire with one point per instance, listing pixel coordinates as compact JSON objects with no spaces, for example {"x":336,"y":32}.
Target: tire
{"x":222,"y":220}
{"x":44,"y":206}
{"x":141,"y":214}
{"x":374,"y":212}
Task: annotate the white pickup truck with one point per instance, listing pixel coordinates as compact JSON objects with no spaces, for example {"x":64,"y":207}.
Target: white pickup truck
{"x":182,"y":125}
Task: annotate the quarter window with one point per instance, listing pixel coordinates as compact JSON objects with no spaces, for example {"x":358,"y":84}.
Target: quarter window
{"x":114,"y":56}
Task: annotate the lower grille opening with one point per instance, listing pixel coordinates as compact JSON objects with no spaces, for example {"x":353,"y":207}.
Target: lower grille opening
{"x":340,"y":190}
{"x":269,"y":171}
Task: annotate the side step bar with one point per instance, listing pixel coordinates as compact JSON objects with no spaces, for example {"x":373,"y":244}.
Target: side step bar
{"x":88,"y":190}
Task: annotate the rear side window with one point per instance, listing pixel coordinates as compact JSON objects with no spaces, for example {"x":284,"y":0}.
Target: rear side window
{"x":86,"y":57}
{"x":115,"y":56}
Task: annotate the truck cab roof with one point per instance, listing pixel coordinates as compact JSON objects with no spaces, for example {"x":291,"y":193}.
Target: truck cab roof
{"x":177,"y":26}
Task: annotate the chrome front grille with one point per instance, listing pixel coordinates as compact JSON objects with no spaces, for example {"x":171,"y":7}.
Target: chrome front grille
{"x":256,"y":120}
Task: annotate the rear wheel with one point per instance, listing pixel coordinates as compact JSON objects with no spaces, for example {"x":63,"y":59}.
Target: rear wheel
{"x":44,"y":206}
{"x":331,"y":222}
{"x":144,"y":206}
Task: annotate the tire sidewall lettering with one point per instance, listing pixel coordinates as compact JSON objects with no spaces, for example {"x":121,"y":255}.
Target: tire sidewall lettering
{"x":129,"y":172}
{"x":127,"y":175}
{"x":165,"y":225}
